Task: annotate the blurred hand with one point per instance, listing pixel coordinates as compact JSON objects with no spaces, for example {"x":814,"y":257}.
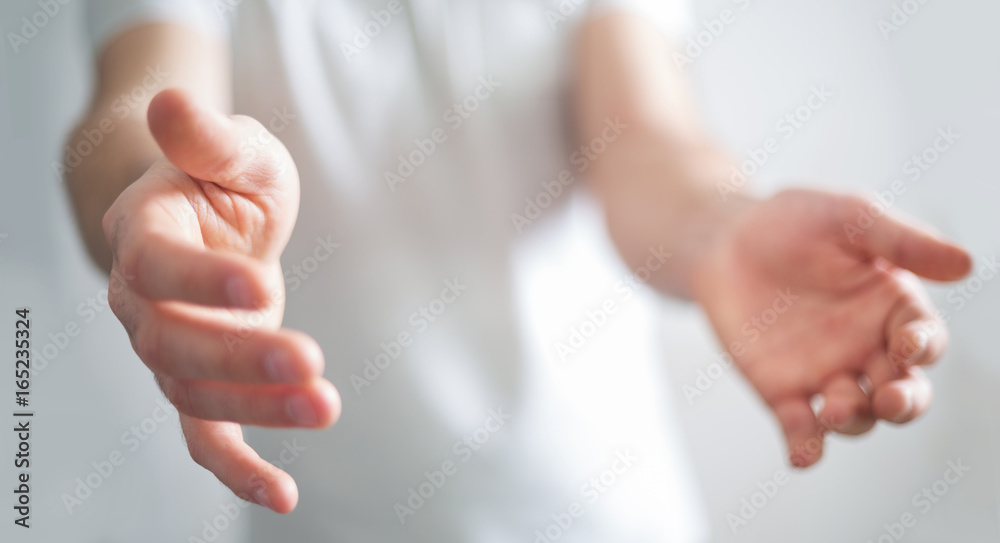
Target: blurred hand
{"x":807,"y":310}
{"x":196,"y":242}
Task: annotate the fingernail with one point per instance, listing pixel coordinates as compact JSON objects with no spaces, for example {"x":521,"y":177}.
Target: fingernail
{"x":797,"y":461}
{"x":921,"y":340}
{"x":238,"y":292}
{"x":846,"y":423}
{"x":301,"y":410}
{"x":279,"y":367}
{"x":260,"y":496}
{"x":907,"y":406}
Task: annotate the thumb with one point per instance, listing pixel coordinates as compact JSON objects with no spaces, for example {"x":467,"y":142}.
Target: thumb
{"x":906,"y":245}
{"x":210,"y":146}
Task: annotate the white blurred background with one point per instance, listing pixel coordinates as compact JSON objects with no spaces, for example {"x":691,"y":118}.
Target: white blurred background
{"x":890,"y":97}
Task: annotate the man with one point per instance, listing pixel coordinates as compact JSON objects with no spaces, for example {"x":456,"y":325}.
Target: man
{"x":414,"y":131}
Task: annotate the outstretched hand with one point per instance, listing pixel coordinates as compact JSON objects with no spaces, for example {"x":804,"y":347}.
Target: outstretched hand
{"x":810,"y":302}
{"x":197,"y":283}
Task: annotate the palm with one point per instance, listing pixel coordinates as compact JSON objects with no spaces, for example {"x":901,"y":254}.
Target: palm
{"x":804,"y":311}
{"x":252,"y":223}
{"x":197,"y":241}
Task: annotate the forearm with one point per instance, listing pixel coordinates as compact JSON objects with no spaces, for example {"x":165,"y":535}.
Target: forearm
{"x":111,"y":146}
{"x":657,"y":182}
{"x":100,"y":177}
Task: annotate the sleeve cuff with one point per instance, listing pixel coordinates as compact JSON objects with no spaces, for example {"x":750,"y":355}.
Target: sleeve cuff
{"x":672,"y":17}
{"x":106,"y":19}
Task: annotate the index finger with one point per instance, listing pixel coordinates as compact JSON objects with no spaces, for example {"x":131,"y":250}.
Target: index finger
{"x":160,"y":263}
{"x":902,"y":243}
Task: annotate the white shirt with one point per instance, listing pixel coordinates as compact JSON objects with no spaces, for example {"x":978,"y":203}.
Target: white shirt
{"x":500,"y":371}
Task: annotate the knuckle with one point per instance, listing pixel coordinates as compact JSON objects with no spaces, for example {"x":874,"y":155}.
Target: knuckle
{"x":115,"y":301}
{"x":167,"y":386}
{"x":109,"y":223}
{"x":850,"y":205}
{"x":129,"y":260}
{"x":793,"y":419}
{"x":269,"y":162}
{"x":197,"y":452}
{"x":264,"y":154}
{"x":125,"y":309}
{"x":176,"y":393}
{"x":227,"y":367}
{"x":147,"y":343}
{"x":230,"y":166}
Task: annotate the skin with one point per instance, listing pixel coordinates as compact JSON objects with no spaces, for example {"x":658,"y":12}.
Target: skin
{"x":860,"y":310}
{"x":193,"y":247}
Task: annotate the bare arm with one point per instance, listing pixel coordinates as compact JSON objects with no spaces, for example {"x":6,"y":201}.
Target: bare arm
{"x":189,"y":210}
{"x":805,"y":300}
{"x":658,"y":182}
{"x":137,"y":64}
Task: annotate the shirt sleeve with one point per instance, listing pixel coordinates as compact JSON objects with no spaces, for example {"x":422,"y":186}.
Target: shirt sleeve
{"x":673,"y":17}
{"x":106,"y":19}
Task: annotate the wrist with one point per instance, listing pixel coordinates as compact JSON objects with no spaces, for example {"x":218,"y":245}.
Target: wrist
{"x":714,"y":255}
